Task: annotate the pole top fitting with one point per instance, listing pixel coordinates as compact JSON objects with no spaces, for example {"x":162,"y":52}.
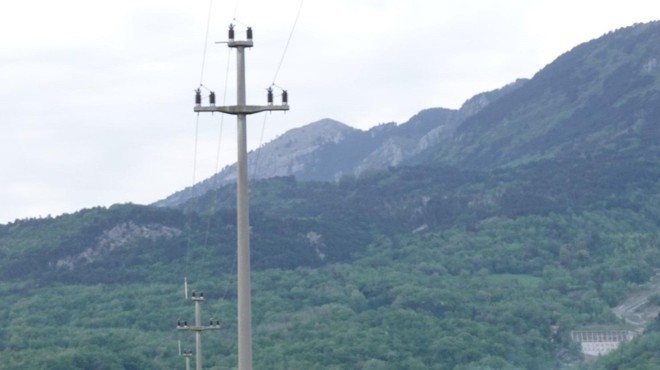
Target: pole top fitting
{"x":240,"y":43}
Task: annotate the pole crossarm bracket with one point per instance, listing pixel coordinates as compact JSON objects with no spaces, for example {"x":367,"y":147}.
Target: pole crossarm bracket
{"x":199,"y":328}
{"x":240,"y":44}
{"x":242,"y":109}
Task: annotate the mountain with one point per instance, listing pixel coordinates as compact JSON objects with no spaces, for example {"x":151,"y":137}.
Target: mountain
{"x":602,"y":97}
{"x":327,"y":149}
{"x":471,"y":239}
{"x":291,"y":153}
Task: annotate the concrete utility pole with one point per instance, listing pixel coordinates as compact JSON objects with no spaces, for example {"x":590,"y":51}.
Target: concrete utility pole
{"x":187,"y":354}
{"x":197,"y":328}
{"x":241,"y":110}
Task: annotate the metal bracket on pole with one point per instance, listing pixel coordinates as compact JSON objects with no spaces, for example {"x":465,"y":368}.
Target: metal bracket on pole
{"x":187,"y":354}
{"x":242,"y":109}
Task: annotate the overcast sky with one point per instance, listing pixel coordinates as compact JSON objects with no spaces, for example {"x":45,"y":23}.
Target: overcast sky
{"x":96,"y":97}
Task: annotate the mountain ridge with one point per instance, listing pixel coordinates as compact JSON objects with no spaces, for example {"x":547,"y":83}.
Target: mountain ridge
{"x":326,"y":150}
{"x":578,"y":104}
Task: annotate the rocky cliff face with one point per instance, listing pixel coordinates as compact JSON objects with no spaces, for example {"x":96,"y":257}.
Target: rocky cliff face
{"x":327,"y":149}
{"x":118,"y":237}
{"x":293,"y":153}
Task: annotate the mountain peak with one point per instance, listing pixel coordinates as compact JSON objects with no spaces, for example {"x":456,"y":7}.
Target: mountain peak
{"x":327,"y":123}
{"x":315,"y":133}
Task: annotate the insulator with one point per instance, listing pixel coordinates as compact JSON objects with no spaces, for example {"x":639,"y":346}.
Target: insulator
{"x":198,"y":97}
{"x":249,"y":33}
{"x":270,"y":95}
{"x":212,"y":98}
{"x":185,"y":323}
{"x":178,"y":323}
{"x":231,"y":32}
{"x":217,"y":323}
{"x":201,"y":295}
{"x":285,"y":97}
{"x":193,"y":294}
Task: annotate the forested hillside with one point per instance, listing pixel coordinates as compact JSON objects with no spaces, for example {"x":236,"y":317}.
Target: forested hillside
{"x":485,"y":252}
{"x":601,"y":97}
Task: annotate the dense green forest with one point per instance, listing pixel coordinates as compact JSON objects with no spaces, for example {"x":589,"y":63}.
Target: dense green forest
{"x":484,"y":253}
{"x":500,"y":287}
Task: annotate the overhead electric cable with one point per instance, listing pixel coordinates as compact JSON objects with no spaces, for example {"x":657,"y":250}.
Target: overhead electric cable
{"x":277,"y":71}
{"x":286,"y":47}
{"x":193,"y":190}
{"x":206,"y":41}
{"x":224,"y":101}
{"x":194,"y":172}
{"x":255,"y":166}
{"x":216,"y":199}
{"x":235,"y":9}
{"x":218,"y":150}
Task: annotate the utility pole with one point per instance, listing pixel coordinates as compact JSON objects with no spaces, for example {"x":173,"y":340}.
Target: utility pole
{"x":187,"y":354}
{"x":197,"y":328}
{"x":241,"y":110}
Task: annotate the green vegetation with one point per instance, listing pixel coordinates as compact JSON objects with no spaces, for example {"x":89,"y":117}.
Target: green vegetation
{"x":491,"y":280}
{"x":483,"y":255}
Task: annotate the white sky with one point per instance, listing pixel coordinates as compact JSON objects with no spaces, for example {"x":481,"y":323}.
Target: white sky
{"x":96,"y":96}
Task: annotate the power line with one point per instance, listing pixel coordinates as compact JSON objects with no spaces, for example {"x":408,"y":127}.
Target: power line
{"x":277,"y":71}
{"x":224,"y":101}
{"x":235,"y":9}
{"x":206,"y":41}
{"x":255,"y":167}
{"x":286,"y":47}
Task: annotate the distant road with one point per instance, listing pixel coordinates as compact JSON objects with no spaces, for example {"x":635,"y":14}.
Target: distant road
{"x":634,"y":309}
